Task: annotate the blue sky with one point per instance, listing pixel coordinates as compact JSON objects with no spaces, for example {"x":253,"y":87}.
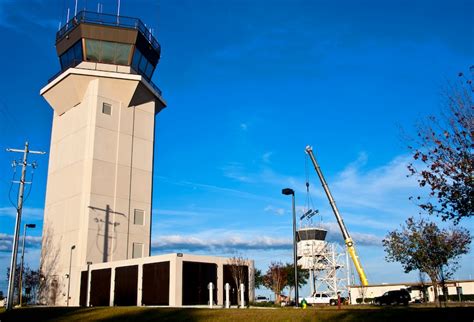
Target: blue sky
{"x":249,"y":84}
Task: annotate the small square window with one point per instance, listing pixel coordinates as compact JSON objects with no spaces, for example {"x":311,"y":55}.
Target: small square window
{"x":107,"y":108}
{"x":137,"y":250}
{"x":138,"y":217}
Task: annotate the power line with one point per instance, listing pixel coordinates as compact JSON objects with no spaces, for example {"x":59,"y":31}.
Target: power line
{"x":24,"y":164}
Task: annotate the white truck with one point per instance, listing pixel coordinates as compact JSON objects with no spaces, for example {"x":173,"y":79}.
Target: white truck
{"x":320,"y":298}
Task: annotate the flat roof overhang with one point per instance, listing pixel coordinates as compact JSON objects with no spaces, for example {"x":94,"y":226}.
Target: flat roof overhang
{"x":73,"y":82}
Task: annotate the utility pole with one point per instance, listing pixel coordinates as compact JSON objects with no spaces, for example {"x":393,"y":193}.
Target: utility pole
{"x":19,"y":208}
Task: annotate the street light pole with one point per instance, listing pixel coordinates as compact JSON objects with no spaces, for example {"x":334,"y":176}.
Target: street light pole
{"x":22,"y":262}
{"x":287,"y":192}
{"x":69,"y":275}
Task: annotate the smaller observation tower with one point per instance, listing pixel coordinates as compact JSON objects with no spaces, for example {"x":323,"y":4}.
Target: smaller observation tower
{"x":99,"y":191}
{"x":323,"y":260}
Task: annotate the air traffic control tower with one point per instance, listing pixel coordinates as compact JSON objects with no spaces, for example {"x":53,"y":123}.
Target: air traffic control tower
{"x":99,"y":191}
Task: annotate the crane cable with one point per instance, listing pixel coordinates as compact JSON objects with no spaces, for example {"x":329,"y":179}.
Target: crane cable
{"x":309,"y":200}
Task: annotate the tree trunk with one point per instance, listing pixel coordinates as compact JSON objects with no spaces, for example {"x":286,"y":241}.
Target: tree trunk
{"x":277,"y":298}
{"x":434,"y":282}
{"x":289,"y":294}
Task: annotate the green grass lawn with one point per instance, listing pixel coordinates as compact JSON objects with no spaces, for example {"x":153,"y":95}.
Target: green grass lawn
{"x":353,"y":313}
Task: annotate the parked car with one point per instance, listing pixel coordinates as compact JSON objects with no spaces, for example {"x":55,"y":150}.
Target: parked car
{"x":393,"y":297}
{"x":262,"y":299}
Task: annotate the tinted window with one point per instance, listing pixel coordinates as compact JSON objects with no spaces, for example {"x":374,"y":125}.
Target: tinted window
{"x":72,"y":56}
{"x":137,"y":55}
{"x":149,"y":70}
{"x":92,"y":49}
{"x":108,"y":52}
{"x":78,"y":50}
{"x":122,"y":52}
{"x":143,"y":64}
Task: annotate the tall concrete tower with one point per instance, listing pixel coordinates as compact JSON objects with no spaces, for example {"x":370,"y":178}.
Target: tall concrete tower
{"x":99,"y":191}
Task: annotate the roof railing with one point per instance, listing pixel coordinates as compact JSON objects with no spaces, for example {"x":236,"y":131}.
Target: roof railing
{"x":107,"y":20}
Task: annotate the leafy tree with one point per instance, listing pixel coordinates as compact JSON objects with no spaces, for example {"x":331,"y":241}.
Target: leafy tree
{"x":258,"y":278}
{"x":276,"y":279}
{"x":30,"y":284}
{"x":422,"y":245}
{"x":303,"y":276}
{"x":16,"y":282}
{"x":444,"y":149}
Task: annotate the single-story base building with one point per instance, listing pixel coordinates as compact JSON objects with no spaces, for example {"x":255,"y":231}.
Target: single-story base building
{"x":165,"y":280}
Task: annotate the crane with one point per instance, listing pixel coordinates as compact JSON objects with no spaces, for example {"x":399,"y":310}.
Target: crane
{"x":347,"y":238}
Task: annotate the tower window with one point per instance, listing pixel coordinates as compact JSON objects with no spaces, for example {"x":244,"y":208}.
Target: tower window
{"x":106,"y":108}
{"x":137,"y":250}
{"x":72,"y":57}
{"x":138,"y":217}
{"x":107,"y":52}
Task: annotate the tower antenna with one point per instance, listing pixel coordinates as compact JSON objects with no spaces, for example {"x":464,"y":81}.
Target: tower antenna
{"x":118,"y":11}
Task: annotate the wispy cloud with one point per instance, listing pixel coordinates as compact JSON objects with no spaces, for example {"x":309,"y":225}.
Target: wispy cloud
{"x":266,"y":157}
{"x":385,"y":188}
{"x":274,"y":210}
{"x":372,"y":198}
{"x":30,"y":213}
{"x":7,"y":240}
{"x":244,"y":126}
{"x":32,"y":12}
{"x":234,"y":192}
{"x":334,"y":236}
{"x":235,"y":171}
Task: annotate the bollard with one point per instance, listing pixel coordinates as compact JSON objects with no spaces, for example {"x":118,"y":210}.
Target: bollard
{"x":227,"y":298}
{"x":242,"y":301}
{"x":210,"y":287}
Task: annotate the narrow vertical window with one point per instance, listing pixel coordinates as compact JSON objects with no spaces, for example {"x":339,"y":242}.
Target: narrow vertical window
{"x":137,"y":250}
{"x":106,"y":108}
{"x":138,"y":217}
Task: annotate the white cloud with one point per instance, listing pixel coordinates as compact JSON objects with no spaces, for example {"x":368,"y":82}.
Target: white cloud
{"x":244,"y":240}
{"x":335,"y":236}
{"x":227,"y":243}
{"x":274,"y":210}
{"x":7,"y":240}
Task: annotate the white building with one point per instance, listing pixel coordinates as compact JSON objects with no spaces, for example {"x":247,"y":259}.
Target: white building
{"x":415,"y":289}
